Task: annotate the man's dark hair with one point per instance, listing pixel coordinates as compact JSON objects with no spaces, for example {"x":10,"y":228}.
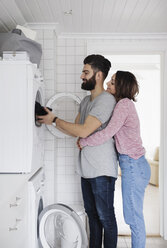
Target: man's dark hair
{"x":98,"y":63}
{"x":126,"y":86}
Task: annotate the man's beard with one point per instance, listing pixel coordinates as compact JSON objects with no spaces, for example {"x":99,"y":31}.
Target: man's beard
{"x":89,"y":84}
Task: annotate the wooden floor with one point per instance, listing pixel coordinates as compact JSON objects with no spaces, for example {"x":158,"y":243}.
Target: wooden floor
{"x":151,"y":242}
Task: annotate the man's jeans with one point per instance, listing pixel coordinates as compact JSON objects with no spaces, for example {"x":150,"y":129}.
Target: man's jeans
{"x":135,"y":177}
{"x":98,"y":196}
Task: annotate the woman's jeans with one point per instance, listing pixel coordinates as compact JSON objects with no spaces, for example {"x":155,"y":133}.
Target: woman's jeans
{"x":135,"y":177}
{"x":98,"y":196}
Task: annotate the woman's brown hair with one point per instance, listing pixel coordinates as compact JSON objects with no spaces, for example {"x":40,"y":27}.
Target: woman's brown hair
{"x":126,"y":86}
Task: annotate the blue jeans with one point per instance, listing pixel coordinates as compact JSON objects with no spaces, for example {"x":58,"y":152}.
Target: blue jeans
{"x":135,"y":177}
{"x":98,"y":196}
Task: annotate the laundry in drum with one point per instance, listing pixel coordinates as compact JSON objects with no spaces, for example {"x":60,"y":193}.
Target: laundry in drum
{"x":39,"y":110}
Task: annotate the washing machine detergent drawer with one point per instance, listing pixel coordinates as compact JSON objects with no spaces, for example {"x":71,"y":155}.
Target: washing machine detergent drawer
{"x":61,"y":227}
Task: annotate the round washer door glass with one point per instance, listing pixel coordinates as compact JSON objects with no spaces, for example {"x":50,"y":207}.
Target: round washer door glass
{"x":61,"y":227}
{"x":65,"y":106}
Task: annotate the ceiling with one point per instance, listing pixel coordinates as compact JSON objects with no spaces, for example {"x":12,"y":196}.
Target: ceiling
{"x":87,"y":16}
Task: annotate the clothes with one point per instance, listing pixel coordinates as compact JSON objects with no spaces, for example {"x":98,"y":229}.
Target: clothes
{"x":135,"y":177}
{"x":39,"y":110}
{"x":96,"y":193}
{"x":100,"y":160}
{"x":125,"y":127}
{"x":15,"y":42}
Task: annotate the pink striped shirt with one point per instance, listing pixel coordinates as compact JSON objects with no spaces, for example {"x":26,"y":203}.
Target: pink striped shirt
{"x":125,"y":127}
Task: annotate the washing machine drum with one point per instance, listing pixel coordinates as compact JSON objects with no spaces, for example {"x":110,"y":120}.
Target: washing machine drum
{"x":61,"y":227}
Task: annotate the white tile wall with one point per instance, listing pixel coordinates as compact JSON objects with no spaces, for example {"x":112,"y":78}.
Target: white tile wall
{"x":61,"y":65}
{"x":46,"y":39}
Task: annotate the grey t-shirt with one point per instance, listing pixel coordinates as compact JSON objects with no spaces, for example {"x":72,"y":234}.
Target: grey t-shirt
{"x":98,"y":160}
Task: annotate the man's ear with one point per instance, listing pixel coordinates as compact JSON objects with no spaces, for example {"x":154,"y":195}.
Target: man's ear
{"x":99,"y":75}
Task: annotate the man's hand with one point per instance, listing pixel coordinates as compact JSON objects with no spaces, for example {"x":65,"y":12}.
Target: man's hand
{"x":46,"y":119}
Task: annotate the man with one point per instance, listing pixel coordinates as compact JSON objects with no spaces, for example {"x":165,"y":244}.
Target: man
{"x":97,"y":165}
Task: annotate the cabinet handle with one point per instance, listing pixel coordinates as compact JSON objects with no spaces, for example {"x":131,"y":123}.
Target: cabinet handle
{"x":18,"y":220}
{"x":15,"y":227}
{"x":12,"y":229}
{"x":18,"y":198}
{"x":16,"y":203}
{"x":13,"y":205}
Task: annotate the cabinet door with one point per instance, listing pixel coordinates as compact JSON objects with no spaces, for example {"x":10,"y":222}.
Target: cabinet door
{"x":13,"y":213}
{"x":13,"y":102}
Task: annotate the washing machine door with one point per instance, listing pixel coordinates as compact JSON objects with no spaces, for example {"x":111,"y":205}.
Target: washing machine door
{"x":61,"y":227}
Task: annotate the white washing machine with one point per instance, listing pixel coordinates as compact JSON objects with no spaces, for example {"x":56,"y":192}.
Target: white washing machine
{"x":35,"y":207}
{"x":55,"y":226}
{"x":22,"y":139}
{"x":62,"y":227}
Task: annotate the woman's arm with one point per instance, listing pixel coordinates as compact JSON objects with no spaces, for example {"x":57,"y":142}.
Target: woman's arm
{"x":117,"y":121}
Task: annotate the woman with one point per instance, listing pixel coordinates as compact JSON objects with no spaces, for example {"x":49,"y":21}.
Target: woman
{"x":125,"y":127}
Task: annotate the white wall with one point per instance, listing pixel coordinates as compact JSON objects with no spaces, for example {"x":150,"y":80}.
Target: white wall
{"x":148,"y":107}
{"x":146,"y":68}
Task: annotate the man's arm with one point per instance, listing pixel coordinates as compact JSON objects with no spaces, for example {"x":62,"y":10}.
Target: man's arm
{"x":74,"y":129}
{"x":77,"y":118}
{"x":80,"y":130}
{"x":66,"y":132}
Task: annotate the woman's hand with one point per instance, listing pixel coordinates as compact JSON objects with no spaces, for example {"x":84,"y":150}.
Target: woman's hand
{"x":78,"y":144}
